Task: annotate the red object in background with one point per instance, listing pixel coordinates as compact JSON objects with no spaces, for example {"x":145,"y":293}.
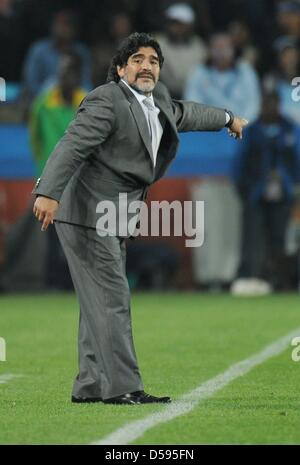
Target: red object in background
{"x":175,"y":189}
{"x":15,"y":199}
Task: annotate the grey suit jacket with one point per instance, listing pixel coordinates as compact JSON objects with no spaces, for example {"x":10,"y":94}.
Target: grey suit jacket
{"x":106,"y":149}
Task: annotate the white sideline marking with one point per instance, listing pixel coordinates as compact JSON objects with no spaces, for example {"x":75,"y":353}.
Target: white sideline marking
{"x":133,"y":430}
{"x":7,"y":377}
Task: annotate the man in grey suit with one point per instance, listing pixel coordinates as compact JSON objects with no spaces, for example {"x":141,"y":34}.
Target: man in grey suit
{"x":122,"y":139}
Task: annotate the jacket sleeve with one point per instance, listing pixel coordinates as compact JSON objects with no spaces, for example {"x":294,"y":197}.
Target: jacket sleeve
{"x":191,"y":116}
{"x":93,"y":124}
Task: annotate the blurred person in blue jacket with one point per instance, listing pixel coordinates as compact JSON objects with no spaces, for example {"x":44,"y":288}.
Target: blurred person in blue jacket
{"x":268,"y":179}
{"x":42,"y":62}
{"x":225,"y":80}
{"x":287,"y":67}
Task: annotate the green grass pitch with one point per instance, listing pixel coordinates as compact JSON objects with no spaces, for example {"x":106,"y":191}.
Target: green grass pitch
{"x":181,"y":340}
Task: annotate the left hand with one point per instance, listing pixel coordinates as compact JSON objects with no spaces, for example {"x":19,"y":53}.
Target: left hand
{"x":237,"y":126}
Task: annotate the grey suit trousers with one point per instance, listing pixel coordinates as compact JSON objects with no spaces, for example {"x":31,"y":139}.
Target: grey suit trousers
{"x":107,"y":361}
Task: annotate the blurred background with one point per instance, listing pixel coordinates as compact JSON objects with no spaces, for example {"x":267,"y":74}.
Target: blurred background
{"x":236,"y":54}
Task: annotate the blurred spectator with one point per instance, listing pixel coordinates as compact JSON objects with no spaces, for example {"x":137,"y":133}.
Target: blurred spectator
{"x":242,"y":42}
{"x":150,"y":15}
{"x":288,"y":18}
{"x":182,"y":49}
{"x":120,"y":27}
{"x":55,"y":108}
{"x":225,"y":81}
{"x":51,"y":114}
{"x":288,"y":67}
{"x":268,"y":176}
{"x":41,"y":65}
{"x":258,"y":14}
{"x":96,"y":17}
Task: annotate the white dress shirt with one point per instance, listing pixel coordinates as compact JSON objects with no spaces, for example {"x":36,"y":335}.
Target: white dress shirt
{"x":140,"y":98}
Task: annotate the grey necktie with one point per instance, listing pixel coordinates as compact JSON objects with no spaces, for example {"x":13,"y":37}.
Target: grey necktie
{"x":153,"y":125}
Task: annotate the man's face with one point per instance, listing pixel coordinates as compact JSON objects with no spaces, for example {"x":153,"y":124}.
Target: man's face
{"x":289,"y":22}
{"x":63,"y":29}
{"x":179,"y":31}
{"x":69,"y":74}
{"x":142,"y":70}
{"x":222,"y":51}
{"x":289,"y":59}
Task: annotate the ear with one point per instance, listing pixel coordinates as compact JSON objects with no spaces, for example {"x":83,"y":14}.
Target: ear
{"x":121,"y":71}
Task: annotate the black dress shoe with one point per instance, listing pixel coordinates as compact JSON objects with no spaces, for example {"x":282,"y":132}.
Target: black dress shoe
{"x":125,"y":399}
{"x":137,"y":397}
{"x":85,"y":400}
{"x":145,"y":398}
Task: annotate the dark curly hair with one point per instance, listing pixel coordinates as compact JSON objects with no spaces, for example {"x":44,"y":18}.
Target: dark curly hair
{"x":127,"y":48}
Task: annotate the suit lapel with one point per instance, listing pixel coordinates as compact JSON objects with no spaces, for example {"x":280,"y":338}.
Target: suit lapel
{"x":169,"y":140}
{"x":165,"y":107}
{"x":166,"y":113}
{"x":139,"y":117}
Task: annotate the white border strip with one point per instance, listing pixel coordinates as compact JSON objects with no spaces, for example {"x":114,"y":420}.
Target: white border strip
{"x":135,"y":429}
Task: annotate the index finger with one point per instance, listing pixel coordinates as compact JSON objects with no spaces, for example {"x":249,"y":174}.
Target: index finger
{"x":46,"y":222}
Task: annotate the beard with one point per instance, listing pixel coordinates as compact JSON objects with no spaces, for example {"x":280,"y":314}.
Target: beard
{"x":144,"y":87}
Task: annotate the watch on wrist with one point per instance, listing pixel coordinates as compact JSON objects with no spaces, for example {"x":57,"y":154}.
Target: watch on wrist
{"x":231,"y":116}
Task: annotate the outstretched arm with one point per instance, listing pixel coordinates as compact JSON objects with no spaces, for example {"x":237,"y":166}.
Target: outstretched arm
{"x":192,"y":116}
